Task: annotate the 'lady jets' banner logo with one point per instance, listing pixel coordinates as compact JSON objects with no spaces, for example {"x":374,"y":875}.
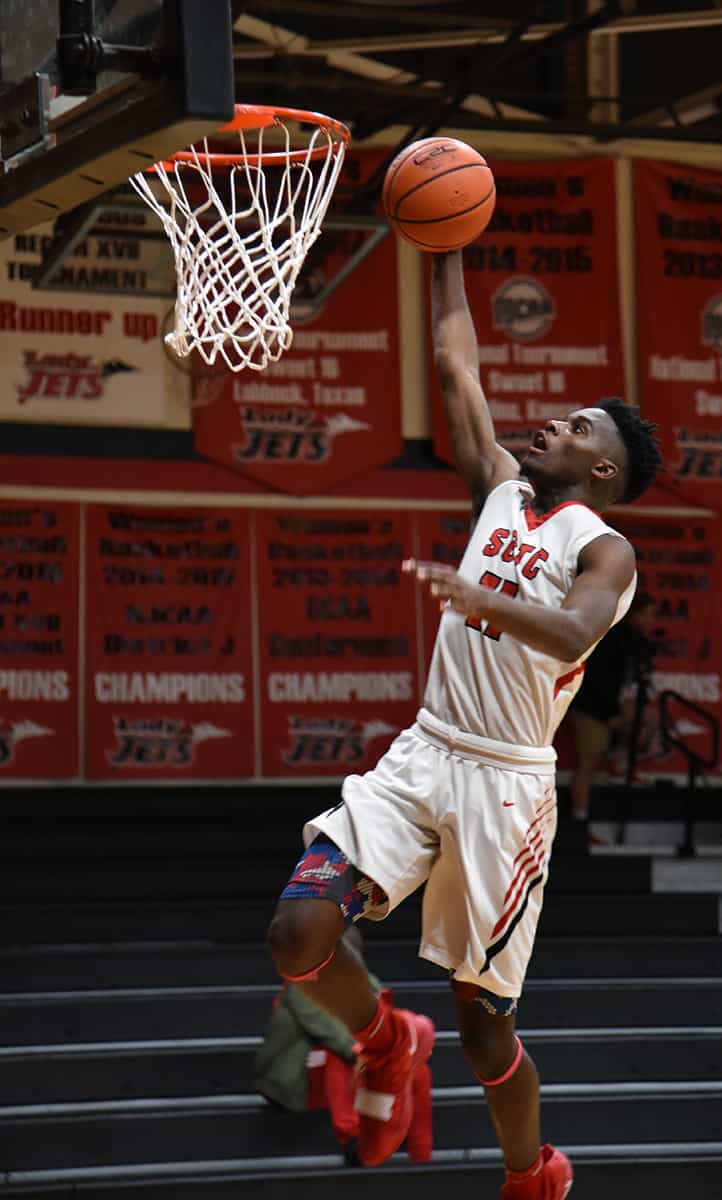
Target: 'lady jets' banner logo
{"x":18,"y":731}
{"x":291,"y":436}
{"x":66,"y":376}
{"x":332,"y":739}
{"x":159,"y":741}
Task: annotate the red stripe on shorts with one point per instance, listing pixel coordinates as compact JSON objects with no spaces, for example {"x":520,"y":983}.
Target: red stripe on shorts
{"x":527,"y":863}
{"x":535,"y":867}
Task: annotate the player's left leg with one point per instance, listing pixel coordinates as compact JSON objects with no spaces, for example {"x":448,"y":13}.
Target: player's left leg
{"x":505,"y":1069}
{"x":511,"y":1086}
{"x":480,"y":912}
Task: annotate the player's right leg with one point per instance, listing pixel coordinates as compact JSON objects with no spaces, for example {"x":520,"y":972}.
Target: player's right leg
{"x":324,"y":894}
{"x":363,"y":857}
{"x":307,"y":946}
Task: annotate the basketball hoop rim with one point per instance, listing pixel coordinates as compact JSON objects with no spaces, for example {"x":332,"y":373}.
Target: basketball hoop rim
{"x":261,"y":116}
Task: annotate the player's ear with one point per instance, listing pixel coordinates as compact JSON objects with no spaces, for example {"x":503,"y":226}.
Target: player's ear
{"x":605,"y":469}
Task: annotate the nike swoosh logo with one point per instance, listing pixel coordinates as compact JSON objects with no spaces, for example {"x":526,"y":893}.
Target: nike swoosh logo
{"x":508,"y":803}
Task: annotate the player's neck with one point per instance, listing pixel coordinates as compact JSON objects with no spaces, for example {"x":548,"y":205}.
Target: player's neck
{"x":546,"y":499}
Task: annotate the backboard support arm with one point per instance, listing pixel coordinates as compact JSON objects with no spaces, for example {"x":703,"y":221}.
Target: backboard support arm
{"x":189,"y":97}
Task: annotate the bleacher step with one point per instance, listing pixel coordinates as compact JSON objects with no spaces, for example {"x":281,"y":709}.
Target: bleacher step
{"x":223,"y":1127}
{"x":46,"y":1074}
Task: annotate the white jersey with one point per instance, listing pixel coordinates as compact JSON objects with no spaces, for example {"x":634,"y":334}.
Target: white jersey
{"x":489,"y":683}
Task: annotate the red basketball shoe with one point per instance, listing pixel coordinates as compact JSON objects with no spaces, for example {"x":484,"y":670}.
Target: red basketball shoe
{"x":551,"y":1181}
{"x":384,"y":1099}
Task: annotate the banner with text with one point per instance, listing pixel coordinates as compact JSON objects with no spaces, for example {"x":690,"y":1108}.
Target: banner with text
{"x":86,"y":355}
{"x":338,"y":634}
{"x":680,"y":565}
{"x":330,"y":408}
{"x":678,"y":217}
{"x":443,"y":538}
{"x":39,"y":596}
{"x":169,"y":648}
{"x":542,"y":288}
{"x":338,"y":641}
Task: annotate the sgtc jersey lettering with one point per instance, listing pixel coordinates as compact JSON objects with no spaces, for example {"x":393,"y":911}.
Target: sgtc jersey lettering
{"x":509,"y":545}
{"x":482,"y":679}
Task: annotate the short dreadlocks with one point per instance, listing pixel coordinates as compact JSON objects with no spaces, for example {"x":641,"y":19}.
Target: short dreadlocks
{"x":644,"y":458}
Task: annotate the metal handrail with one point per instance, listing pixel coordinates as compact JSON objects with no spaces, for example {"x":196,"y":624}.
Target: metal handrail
{"x":671,"y":738}
{"x":695,"y":761}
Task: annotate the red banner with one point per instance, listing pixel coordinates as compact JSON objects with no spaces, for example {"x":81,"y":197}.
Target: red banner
{"x":330,"y":407}
{"x":338,"y":632}
{"x":169,"y":659}
{"x":680,"y":564}
{"x":443,"y":538}
{"x":39,"y":594}
{"x":679,"y":305}
{"x":542,"y":288}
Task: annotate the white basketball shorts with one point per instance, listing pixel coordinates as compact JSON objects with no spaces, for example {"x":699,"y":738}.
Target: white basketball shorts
{"x":472,"y":818}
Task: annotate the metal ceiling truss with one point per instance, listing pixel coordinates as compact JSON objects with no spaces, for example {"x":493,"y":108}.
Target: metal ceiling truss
{"x":292,"y":48}
{"x":444,"y":31}
{"x":380,"y":94}
{"x":703,"y":105}
{"x":380,"y":13}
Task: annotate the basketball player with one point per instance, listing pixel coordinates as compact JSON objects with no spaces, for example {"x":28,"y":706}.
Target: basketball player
{"x":464,"y":800}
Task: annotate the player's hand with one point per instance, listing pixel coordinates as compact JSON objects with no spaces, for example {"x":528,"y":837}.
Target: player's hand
{"x":447,"y":584}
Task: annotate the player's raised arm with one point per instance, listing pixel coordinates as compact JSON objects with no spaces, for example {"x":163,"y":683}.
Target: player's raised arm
{"x":481,"y":461}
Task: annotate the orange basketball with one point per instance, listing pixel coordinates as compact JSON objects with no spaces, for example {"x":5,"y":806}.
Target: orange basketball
{"x":439,"y":194}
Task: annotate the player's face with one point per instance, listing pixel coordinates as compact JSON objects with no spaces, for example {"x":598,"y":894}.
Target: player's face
{"x":567,"y":450}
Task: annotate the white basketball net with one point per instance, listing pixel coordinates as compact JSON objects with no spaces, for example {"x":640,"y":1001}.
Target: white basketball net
{"x":238,"y":255}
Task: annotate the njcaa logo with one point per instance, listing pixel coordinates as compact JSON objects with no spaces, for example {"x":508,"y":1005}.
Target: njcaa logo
{"x":712,"y":323}
{"x":159,"y":741}
{"x":290,"y":435}
{"x":18,"y":731}
{"x":523,"y":309}
{"x":66,"y":376}
{"x":324,"y":740}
